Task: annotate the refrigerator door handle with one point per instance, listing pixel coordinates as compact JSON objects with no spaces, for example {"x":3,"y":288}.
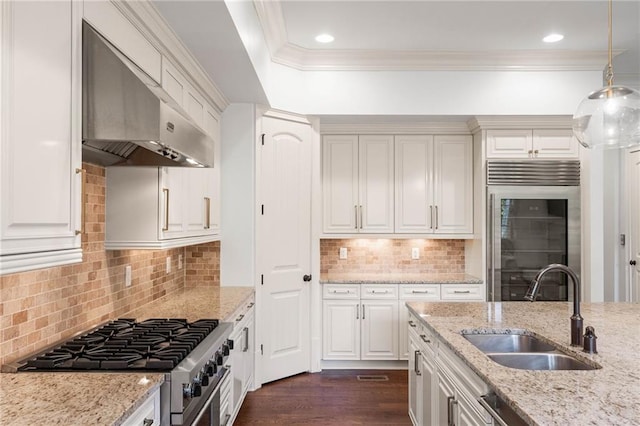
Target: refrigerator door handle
{"x":492,"y":252}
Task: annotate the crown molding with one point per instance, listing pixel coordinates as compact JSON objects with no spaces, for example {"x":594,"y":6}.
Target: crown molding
{"x":405,"y":128}
{"x":486,"y":122}
{"x":146,"y":18}
{"x":285,"y":53}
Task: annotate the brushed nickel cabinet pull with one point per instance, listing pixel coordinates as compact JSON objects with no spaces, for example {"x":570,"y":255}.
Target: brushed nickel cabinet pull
{"x":166,"y":209}
{"x":356,"y":213}
{"x":436,"y":217}
{"x":207,"y":201}
{"x":360,"y":217}
{"x":83,"y":209}
{"x":430,"y":217}
{"x":461,"y":291}
{"x":147,"y":422}
{"x":416,"y":363}
{"x":358,"y":311}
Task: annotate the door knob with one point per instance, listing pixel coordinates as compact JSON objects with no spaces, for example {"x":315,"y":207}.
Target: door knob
{"x":632,"y":262}
{"x":306,"y":278}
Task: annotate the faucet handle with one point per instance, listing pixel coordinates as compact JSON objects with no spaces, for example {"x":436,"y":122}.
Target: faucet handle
{"x":590,"y":340}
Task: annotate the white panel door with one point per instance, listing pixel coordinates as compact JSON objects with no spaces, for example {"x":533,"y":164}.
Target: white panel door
{"x":416,"y":400}
{"x":284,"y":247}
{"x":453,"y":184}
{"x":375,"y":171}
{"x":414,"y":184}
{"x":198,"y":185}
{"x":341,"y":330}
{"x":508,"y":143}
{"x":173,"y":82}
{"x":633,"y":190}
{"x":379,"y":329}
{"x":339,"y":183}
{"x":41,"y":128}
{"x":172,"y":199}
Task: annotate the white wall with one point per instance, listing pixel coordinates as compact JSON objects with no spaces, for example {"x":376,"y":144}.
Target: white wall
{"x":237,"y":254}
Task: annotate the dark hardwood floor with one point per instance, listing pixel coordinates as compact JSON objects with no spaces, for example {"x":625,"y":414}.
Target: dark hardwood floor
{"x":332,"y":397}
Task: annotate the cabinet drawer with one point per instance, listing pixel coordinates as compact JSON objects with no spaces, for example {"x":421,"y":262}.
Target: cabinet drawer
{"x":462,"y":292}
{"x":149,"y":410}
{"x":419,"y":291}
{"x":379,"y":291}
{"x":341,"y":291}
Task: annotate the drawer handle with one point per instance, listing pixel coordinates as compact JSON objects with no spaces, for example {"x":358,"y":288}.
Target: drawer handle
{"x":379,"y":292}
{"x":424,"y":338}
{"x":147,"y":422}
{"x":412,"y":324}
{"x":240,"y":317}
{"x":461,"y":291}
{"x":420,"y":291}
{"x":340,"y":291}
{"x":250,"y":305}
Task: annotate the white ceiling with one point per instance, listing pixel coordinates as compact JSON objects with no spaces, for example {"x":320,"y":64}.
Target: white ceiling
{"x":406,"y":35}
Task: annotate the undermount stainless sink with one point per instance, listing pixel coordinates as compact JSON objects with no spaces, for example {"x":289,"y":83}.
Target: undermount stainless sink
{"x":540,"y":361}
{"x":508,"y":343}
{"x":517,"y":349}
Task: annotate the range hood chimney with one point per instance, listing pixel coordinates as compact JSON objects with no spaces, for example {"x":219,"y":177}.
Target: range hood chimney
{"x":128,"y":119}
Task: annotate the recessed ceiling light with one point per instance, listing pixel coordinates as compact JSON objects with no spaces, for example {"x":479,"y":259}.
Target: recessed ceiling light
{"x":553,"y":38}
{"x":324,"y":38}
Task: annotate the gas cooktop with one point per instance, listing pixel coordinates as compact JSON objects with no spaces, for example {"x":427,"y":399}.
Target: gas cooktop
{"x":125,"y":345}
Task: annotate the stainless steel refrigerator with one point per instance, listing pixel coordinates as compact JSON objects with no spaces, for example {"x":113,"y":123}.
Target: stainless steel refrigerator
{"x":533,"y":221}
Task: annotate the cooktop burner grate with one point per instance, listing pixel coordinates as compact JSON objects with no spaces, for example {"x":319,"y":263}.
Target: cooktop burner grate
{"x":126,"y":345}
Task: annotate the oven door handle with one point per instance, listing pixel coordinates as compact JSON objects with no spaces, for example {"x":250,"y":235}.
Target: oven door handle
{"x":214,"y":394}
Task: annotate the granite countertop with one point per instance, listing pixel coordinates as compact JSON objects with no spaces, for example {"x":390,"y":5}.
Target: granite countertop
{"x":396,"y":278}
{"x":609,"y":395}
{"x":107,"y":398}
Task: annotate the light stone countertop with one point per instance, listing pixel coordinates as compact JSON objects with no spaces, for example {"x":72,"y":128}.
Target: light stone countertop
{"x":396,"y":278}
{"x":606,"y":396}
{"x":107,"y":398}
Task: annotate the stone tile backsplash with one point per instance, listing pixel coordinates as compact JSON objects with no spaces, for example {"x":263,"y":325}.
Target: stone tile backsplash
{"x":392,"y":256}
{"x":39,"y":308}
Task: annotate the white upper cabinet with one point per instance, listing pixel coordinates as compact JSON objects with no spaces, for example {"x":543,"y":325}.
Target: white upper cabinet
{"x":453,"y":184}
{"x":105,"y":17}
{"x":150,"y":207}
{"x":40,"y":124}
{"x":528,"y":143}
{"x":357,"y":184}
{"x":434,"y":184}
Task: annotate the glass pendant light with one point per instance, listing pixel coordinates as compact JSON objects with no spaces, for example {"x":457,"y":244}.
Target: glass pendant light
{"x":609,"y":117}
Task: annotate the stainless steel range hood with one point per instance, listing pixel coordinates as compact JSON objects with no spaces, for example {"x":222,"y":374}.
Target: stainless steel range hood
{"x":127,"y":119}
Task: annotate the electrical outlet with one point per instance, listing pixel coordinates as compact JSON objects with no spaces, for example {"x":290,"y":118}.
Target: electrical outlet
{"x":168,"y":264}
{"x":343,"y":252}
{"x":415,"y":253}
{"x":179,"y":261}
{"x":127,"y":276}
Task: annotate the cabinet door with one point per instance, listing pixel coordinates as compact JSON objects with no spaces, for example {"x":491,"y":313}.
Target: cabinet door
{"x":375,"y":183}
{"x":403,"y":330}
{"x":340,"y":183}
{"x":172,"y":202}
{"x":41,"y":130}
{"x":427,"y":368}
{"x":415,"y":383}
{"x":555,"y":143}
{"x":379,"y":329}
{"x":248,"y":349}
{"x":194,"y":104}
{"x":466,"y":415}
{"x":236,"y":362}
{"x":445,"y":413}
{"x":509,"y":143}
{"x":453,"y":184}
{"x":341,"y":329}
{"x":212,"y":126}
{"x":413,"y":184}
{"x":196,"y":206}
{"x":173,"y":82}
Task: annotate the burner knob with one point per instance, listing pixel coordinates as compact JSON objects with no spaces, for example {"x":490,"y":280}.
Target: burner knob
{"x":204,"y":380}
{"x":230,"y":343}
{"x":225,"y":349}
{"x":210,"y":368}
{"x":196,"y":390}
{"x":219,"y":358}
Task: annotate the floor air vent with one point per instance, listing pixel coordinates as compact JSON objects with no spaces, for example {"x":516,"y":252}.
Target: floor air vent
{"x":372,"y":378}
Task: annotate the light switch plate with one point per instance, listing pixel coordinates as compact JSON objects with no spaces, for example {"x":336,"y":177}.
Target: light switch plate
{"x":179,"y":261}
{"x":168,"y":264}
{"x":415,"y":253}
{"x":343,"y":252}
{"x":127,"y":276}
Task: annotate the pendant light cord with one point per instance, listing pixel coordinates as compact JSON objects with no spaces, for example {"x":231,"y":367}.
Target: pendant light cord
{"x":609,"y":74}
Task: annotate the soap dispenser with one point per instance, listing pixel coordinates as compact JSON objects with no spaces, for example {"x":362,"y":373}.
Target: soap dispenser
{"x":590,"y":340}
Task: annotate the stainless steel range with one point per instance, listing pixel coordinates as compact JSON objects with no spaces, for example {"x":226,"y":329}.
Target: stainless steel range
{"x":192,"y":355}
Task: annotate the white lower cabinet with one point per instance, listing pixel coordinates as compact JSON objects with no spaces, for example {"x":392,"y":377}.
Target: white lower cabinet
{"x":360,"y":323}
{"x":241,"y":358}
{"x":369,"y":321}
{"x":147,"y":414}
{"x":442,"y":389}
